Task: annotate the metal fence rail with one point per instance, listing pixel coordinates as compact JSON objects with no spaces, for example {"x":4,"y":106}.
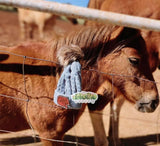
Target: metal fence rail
{"x":86,"y":13}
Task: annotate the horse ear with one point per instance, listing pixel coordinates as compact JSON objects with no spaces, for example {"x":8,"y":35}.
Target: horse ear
{"x":69,"y":53}
{"x":116,"y":33}
{"x":124,"y":32}
{"x":128,"y":32}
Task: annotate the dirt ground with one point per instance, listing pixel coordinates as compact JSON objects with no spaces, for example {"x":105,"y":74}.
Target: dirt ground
{"x":136,"y":129}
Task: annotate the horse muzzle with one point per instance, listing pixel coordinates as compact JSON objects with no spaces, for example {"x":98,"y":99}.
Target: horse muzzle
{"x":148,"y":106}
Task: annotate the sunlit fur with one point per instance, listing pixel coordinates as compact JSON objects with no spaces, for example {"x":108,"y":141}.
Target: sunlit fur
{"x":142,"y":8}
{"x":33,"y":82}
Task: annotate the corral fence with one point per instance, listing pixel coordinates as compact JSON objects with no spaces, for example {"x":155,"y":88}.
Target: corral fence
{"x":28,"y":100}
{"x":84,"y":13}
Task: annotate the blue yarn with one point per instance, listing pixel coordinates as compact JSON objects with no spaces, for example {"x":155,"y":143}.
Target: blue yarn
{"x":68,"y":84}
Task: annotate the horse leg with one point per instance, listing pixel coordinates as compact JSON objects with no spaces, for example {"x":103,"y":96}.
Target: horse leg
{"x":41,"y":30}
{"x":98,"y":127}
{"x":115,"y":107}
{"x":22,"y":30}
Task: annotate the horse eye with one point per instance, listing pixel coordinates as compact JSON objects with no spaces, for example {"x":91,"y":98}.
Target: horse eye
{"x":134,"y":61}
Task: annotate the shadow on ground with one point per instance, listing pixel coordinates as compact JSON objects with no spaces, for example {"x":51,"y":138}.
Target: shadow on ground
{"x":132,"y":141}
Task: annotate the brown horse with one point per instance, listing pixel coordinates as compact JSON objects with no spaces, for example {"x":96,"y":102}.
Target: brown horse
{"x":143,"y":8}
{"x":114,"y":60}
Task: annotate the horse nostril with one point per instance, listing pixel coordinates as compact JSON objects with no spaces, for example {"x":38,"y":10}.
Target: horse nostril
{"x":150,"y":106}
{"x":154,"y":104}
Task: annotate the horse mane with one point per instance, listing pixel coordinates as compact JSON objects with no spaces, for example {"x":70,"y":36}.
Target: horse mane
{"x":91,"y":39}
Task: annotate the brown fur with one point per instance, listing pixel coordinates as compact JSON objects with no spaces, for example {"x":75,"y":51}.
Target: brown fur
{"x":142,"y":8}
{"x":95,"y":4}
{"x":33,"y":82}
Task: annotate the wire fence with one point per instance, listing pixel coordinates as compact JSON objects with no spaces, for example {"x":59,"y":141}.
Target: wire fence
{"x":85,"y":13}
{"x":53,"y":106}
